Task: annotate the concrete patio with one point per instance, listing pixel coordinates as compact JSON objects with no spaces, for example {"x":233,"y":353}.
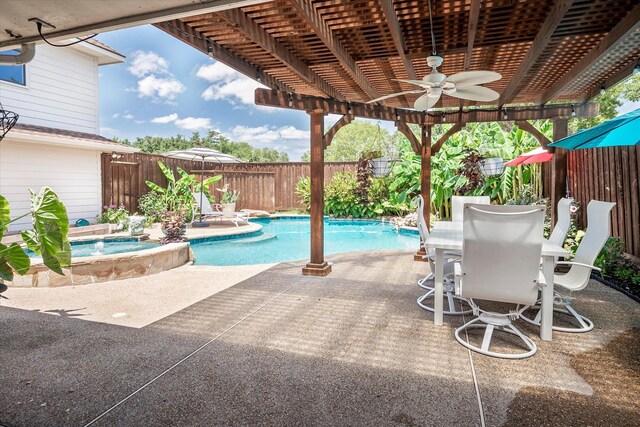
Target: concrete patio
{"x":283,"y":349}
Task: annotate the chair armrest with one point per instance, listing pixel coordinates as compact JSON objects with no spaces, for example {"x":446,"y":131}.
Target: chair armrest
{"x":593,"y":267}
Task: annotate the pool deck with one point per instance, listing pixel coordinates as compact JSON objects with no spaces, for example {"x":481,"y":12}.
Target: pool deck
{"x":279,"y":348}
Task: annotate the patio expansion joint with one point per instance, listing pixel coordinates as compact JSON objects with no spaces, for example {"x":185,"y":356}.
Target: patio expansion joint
{"x":187,"y":357}
{"x":474,"y":376}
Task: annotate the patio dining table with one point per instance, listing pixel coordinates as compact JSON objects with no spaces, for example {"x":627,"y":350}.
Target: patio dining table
{"x":447,"y":236}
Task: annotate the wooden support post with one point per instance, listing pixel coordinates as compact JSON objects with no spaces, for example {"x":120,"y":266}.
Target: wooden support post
{"x":558,"y":168}
{"x":317,"y":266}
{"x":425,"y":181}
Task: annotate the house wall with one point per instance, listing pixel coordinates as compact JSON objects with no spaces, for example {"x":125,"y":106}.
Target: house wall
{"x":61,"y":91}
{"x":73,"y":173}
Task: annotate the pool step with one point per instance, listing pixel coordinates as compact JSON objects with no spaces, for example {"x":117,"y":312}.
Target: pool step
{"x":263,"y":237}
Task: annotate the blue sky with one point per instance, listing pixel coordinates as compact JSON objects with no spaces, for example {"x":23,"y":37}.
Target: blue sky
{"x":166,"y":88}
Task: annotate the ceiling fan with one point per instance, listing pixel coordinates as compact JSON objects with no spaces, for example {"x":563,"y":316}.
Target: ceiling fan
{"x":462,"y":85}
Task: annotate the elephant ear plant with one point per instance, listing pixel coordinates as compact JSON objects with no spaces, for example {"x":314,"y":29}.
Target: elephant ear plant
{"x":48,"y":237}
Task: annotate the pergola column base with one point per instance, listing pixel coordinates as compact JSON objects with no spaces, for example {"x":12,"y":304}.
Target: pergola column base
{"x":312,"y":269}
{"x":419,"y":255}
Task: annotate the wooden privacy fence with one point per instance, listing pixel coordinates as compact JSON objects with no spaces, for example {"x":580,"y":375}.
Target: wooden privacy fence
{"x":266,"y":186}
{"x":609,"y":174}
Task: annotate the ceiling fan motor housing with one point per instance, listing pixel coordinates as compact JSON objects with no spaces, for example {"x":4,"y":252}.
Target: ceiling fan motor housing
{"x":434,"y":61}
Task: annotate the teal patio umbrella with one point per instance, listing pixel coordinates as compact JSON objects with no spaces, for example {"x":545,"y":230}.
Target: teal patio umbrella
{"x":619,"y":131}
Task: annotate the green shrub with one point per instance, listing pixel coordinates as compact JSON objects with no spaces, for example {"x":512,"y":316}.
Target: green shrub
{"x":114,"y":215}
{"x":615,"y":264}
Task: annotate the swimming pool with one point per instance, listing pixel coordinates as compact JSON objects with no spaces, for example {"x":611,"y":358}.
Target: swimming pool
{"x":287,"y":239}
{"x":104,"y":247}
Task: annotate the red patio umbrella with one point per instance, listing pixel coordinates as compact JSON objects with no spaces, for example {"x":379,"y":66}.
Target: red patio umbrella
{"x":539,"y":155}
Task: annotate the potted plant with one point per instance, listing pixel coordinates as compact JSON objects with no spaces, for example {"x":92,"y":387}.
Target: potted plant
{"x":174,"y":227}
{"x":228,"y":199}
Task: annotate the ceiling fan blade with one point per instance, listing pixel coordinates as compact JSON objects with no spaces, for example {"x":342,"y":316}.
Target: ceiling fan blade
{"x":470,"y":78}
{"x":420,"y":83}
{"x":426,"y":101}
{"x":395,"y":94}
{"x":475,"y":93}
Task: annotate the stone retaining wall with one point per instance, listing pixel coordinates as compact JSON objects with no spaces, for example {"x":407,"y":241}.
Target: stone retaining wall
{"x":103,"y":268}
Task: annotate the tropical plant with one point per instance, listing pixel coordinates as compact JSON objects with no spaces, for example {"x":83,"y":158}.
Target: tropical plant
{"x":47,"y":239}
{"x":615,"y":264}
{"x":303,"y":190}
{"x":177,"y":195}
{"x":228,"y":196}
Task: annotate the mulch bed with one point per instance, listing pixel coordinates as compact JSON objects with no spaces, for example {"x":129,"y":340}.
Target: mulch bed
{"x":629,"y":290}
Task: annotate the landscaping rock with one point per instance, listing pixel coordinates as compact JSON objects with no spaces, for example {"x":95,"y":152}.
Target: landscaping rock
{"x":256,"y":213}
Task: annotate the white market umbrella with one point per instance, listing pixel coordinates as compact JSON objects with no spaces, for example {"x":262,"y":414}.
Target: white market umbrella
{"x":205,"y":155}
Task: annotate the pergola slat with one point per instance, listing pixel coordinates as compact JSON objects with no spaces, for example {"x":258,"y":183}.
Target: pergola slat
{"x":535,"y":51}
{"x":617,"y":36}
{"x":322,"y":30}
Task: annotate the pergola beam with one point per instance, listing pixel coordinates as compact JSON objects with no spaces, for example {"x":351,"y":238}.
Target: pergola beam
{"x":528,"y":127}
{"x":281,"y":99}
{"x":396,"y":33}
{"x":538,"y":46}
{"x":321,"y":29}
{"x":472,"y":27}
{"x":199,"y":41}
{"x":612,"y":81}
{"x":252,"y":30}
{"x":612,"y":41}
{"x":454,"y":129}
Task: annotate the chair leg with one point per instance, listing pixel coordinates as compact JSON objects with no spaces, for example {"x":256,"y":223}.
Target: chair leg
{"x":488,"y":335}
{"x":422,"y":282}
{"x":451,"y":299}
{"x":562,"y":307}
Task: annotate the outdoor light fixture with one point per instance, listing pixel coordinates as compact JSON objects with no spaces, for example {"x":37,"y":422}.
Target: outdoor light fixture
{"x":636,"y":69}
{"x":573,"y":111}
{"x":290,"y":100}
{"x":210,"y":52}
{"x":444,"y":117}
{"x":602,"y":89}
{"x":504,"y":114}
{"x":116,"y":156}
{"x":349,"y":110}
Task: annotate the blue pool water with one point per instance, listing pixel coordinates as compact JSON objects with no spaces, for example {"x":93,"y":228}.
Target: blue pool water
{"x":105,"y":247}
{"x":287,"y":239}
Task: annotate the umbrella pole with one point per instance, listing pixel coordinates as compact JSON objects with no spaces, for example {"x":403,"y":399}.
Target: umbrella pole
{"x":201,"y":223}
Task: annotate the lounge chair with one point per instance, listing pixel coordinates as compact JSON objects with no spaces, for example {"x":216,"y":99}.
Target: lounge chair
{"x":208,"y":211}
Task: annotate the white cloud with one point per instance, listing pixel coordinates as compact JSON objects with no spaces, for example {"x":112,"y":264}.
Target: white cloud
{"x":227,"y":84}
{"x":165,"y":88}
{"x":193,"y":123}
{"x":138,"y":122}
{"x":144,"y":63}
{"x":128,"y":116}
{"x":165,"y":119}
{"x":285,"y":138}
{"x":115,"y":116}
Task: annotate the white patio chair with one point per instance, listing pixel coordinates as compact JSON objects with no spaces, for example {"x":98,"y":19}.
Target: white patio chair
{"x":500,"y":262}
{"x":578,"y":276}
{"x":458,"y":202}
{"x":448,"y":283}
{"x":209,"y":212}
{"x":560,"y":230}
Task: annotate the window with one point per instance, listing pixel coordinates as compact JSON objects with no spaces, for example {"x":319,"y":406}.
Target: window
{"x":12,"y":73}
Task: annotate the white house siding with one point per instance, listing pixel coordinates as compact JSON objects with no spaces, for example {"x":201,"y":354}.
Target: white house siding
{"x":61,"y":91}
{"x":73,"y":173}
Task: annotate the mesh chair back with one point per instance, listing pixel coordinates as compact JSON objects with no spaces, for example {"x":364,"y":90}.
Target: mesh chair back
{"x":597,"y":234}
{"x":458,"y":202}
{"x":422,"y":224}
{"x":501,"y":252}
{"x":563,"y":223}
{"x":206,"y":205}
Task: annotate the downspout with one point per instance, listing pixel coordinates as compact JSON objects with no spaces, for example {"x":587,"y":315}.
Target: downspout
{"x":27,"y":53}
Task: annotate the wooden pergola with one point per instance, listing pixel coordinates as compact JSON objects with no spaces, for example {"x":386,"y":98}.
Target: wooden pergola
{"x":331,"y":56}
